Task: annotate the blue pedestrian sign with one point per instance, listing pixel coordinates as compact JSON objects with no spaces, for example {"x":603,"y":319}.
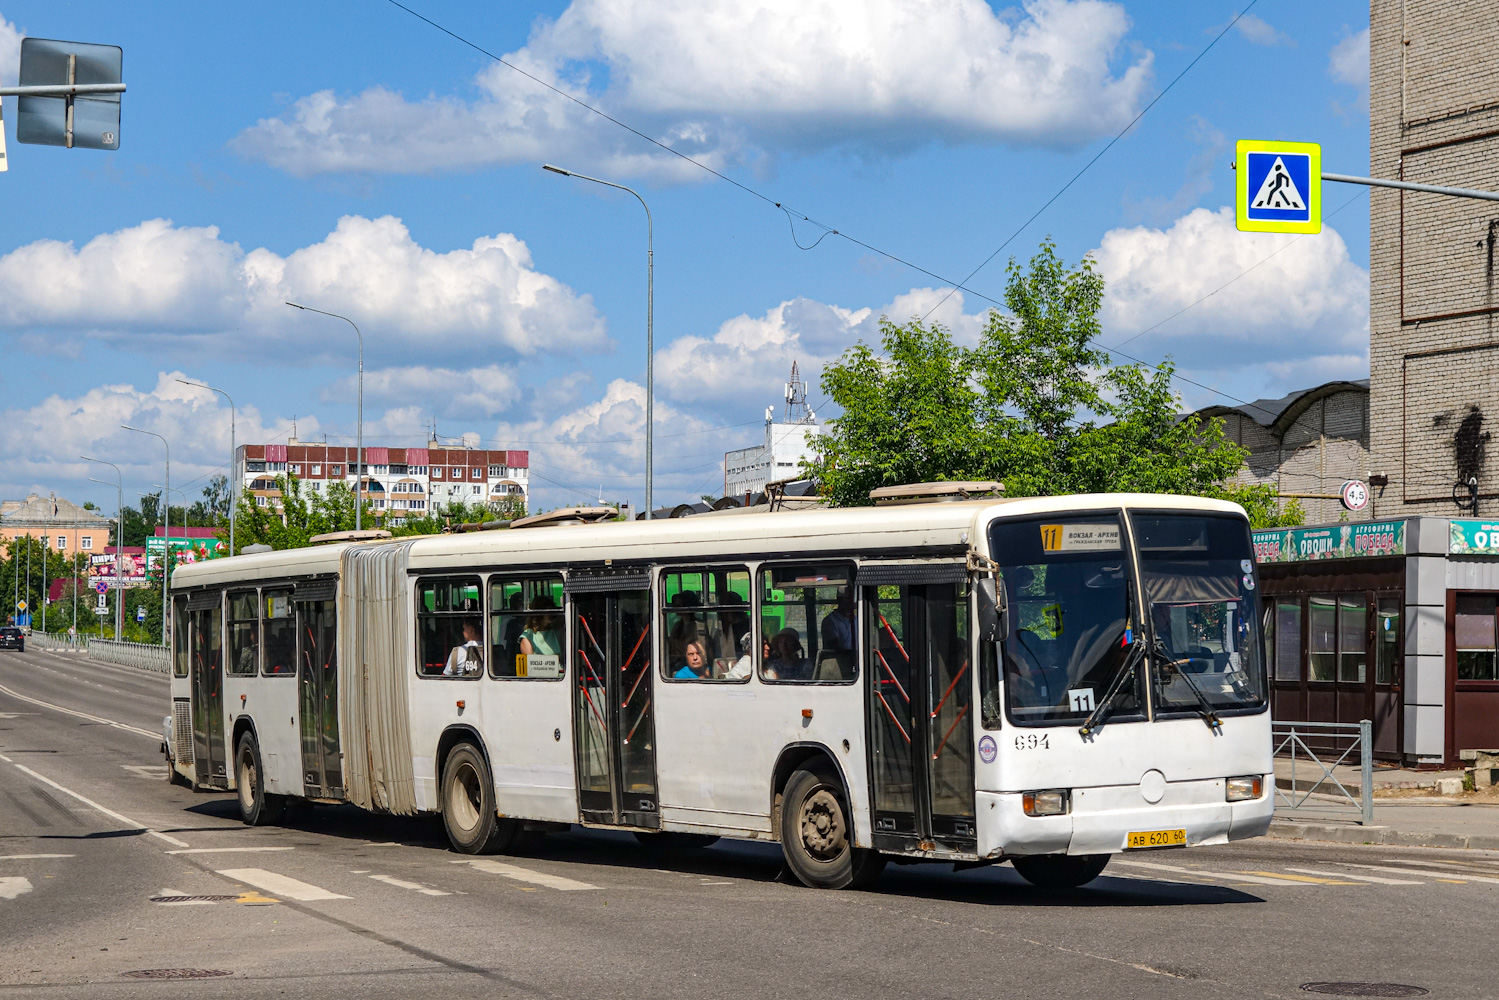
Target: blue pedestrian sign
{"x":1279,"y":187}
{"x":140,"y":615}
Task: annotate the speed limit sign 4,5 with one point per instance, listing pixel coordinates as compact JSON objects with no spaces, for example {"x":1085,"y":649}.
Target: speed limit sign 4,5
{"x":1355,"y":494}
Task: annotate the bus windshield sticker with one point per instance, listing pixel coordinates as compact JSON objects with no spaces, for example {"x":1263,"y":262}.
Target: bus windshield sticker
{"x":1080,"y":699}
{"x":1079,"y":537}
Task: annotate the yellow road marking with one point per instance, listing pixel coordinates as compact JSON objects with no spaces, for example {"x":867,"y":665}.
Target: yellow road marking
{"x":1303,"y":878}
{"x":254,"y":898}
{"x":1454,"y":881}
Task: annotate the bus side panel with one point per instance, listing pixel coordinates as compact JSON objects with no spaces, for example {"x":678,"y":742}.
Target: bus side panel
{"x":719,"y":743}
{"x":270,"y":705}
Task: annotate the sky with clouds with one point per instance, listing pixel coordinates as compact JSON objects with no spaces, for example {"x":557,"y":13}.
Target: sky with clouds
{"x":352,"y":157}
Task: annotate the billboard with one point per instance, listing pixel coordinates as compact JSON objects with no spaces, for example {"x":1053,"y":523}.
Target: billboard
{"x":1342,"y":541}
{"x":185,"y":550}
{"x":131,"y":570}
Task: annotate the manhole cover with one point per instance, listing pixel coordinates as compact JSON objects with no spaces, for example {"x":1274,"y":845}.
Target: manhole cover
{"x":1365,"y":989}
{"x":192,"y":899}
{"x":176,"y":973}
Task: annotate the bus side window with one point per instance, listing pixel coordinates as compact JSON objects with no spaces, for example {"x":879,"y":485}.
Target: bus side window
{"x":280,"y":633}
{"x":526,"y":633}
{"x":244,"y":634}
{"x":179,"y":637}
{"x":809,"y":618}
{"x":449,"y":627}
{"x":705,"y":617}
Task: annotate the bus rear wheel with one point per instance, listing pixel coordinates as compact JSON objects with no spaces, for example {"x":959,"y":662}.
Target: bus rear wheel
{"x":1061,"y":871}
{"x":257,"y":807}
{"x":468,"y":809}
{"x":817,"y":836}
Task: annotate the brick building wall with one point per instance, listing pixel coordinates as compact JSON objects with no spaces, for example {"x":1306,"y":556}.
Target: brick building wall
{"x":1311,"y":441}
{"x":1434,"y":342}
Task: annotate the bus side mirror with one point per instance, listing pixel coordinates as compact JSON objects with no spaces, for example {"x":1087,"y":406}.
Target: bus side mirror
{"x":993,"y":616}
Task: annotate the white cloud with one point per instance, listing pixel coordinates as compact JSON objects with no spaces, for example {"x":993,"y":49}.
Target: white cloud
{"x":724,"y":82}
{"x":158,"y":281}
{"x":1348,"y":62}
{"x":1259,"y":32}
{"x":43,"y":443}
{"x":746,"y":361}
{"x":444,"y":392}
{"x":10,"y":53}
{"x":1305,"y":309}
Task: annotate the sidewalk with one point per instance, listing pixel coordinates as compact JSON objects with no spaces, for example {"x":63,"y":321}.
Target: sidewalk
{"x":1402,"y":813}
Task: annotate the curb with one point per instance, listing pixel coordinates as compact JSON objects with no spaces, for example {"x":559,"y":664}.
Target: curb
{"x":1340,"y":834}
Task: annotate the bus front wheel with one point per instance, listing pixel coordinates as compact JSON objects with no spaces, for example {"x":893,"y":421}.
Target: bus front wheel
{"x":257,"y":807}
{"x":1061,"y":871}
{"x":817,"y":835}
{"x":468,"y":809}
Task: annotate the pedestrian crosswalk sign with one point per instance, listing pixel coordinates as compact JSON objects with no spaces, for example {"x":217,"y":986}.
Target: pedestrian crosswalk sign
{"x":1279,"y":187}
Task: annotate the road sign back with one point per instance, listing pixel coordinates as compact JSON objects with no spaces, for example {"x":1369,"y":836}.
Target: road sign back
{"x":1279,"y":187}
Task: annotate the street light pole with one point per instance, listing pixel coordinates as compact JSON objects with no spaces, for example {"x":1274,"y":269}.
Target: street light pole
{"x":233,"y":459}
{"x":119,"y":536}
{"x":359,"y":430}
{"x":650,"y":303}
{"x":167,"y":521}
{"x":166,"y":550}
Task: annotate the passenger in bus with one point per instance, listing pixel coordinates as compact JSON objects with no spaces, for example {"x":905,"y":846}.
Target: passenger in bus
{"x":838,"y":626}
{"x":742,"y":666}
{"x":466,"y":660}
{"x":540,"y":637}
{"x":696,"y":666}
{"x":787,"y":662}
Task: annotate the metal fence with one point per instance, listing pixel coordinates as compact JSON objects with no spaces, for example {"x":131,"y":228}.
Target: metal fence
{"x":1315,"y":751}
{"x":131,"y":654}
{"x":59,"y":642}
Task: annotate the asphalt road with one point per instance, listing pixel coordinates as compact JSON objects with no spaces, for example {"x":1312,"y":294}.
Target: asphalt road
{"x":94,"y":845}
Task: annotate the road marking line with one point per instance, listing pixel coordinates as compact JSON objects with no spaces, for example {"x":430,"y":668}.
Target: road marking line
{"x":228,"y":850}
{"x":12,"y":886}
{"x":1453,"y":881}
{"x":30,"y":857}
{"x":1487,"y":870}
{"x":1302,"y":878}
{"x":415,"y":886}
{"x":706,"y":882}
{"x":281,"y":885}
{"x":1407,"y":871}
{"x":526,"y":875}
{"x":82,"y":715}
{"x":1225,"y":876}
{"x":94,"y":805}
{"x":1362,"y":878}
{"x":151,"y":771}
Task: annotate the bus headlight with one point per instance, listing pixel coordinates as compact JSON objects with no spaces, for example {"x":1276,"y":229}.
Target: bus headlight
{"x":1052,"y":802}
{"x":1250,"y":786}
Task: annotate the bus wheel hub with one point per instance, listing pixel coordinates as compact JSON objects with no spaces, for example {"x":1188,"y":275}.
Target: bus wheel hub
{"x":822,"y":824}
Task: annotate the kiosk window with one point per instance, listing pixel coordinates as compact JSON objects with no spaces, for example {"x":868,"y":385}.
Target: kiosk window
{"x":449,"y":627}
{"x":1473,"y":632}
{"x":526,"y":633}
{"x":705,"y":616}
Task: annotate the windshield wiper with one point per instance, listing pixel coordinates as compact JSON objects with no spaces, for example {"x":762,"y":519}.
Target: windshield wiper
{"x":1094,"y":722}
{"x":1204,"y":707}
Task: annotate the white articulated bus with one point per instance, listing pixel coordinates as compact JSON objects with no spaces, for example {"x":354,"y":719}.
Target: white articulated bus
{"x":1047,"y":681}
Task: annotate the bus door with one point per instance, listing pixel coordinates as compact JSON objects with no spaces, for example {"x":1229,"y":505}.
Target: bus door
{"x":317,"y":689}
{"x":920,"y":705}
{"x":207,"y":666}
{"x":614,"y":728}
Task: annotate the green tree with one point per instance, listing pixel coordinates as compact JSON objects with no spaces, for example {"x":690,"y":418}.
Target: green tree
{"x":1035,"y":405}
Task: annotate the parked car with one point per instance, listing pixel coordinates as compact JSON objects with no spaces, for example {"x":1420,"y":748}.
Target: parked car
{"x":12,"y":638}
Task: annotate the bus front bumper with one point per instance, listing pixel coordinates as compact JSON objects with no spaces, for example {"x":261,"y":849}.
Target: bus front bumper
{"x":1101,"y":819}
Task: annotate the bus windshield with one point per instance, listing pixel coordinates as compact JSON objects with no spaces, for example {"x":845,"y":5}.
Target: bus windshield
{"x":1066,"y":580}
{"x":1198,"y":575}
